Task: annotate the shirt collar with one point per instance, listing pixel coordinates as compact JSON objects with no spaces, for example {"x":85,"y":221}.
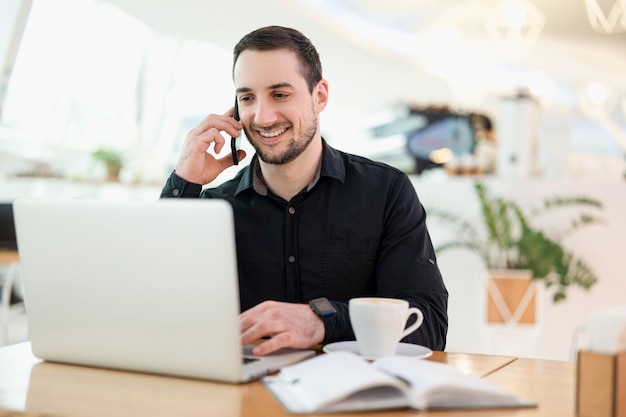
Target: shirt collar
{"x":332,"y":166}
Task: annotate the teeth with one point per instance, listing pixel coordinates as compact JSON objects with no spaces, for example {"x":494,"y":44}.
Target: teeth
{"x":272,"y":134}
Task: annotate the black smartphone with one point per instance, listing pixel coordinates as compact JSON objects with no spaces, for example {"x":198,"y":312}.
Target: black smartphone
{"x":235,"y":142}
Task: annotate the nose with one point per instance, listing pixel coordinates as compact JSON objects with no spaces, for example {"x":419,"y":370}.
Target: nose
{"x":265,"y":114}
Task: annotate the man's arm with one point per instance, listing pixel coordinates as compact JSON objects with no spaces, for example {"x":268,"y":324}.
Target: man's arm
{"x":288,"y":324}
{"x":195,"y":164}
{"x":406,"y":269}
{"x":176,"y":187}
{"x":197,"y":167}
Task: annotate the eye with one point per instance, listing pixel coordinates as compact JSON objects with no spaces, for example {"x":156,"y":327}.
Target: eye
{"x":281,"y":96}
{"x":245,"y":99}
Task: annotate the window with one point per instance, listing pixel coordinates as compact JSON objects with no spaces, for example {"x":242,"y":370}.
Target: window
{"x":97,"y":77}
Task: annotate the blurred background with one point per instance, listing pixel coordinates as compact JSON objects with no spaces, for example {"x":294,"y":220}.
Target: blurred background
{"x":97,"y":96}
{"x":405,"y":76}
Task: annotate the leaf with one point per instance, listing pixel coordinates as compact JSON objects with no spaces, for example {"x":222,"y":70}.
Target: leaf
{"x":509,"y":240}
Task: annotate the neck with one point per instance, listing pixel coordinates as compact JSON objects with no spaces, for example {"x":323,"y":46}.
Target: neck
{"x":289,"y":179}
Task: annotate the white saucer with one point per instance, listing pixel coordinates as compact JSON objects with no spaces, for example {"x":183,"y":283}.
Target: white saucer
{"x":404,"y":349}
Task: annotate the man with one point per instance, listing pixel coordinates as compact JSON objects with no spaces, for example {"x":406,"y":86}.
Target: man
{"x":310,"y":221}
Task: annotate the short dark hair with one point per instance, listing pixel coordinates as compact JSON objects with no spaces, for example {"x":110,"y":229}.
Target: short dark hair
{"x":278,"y":37}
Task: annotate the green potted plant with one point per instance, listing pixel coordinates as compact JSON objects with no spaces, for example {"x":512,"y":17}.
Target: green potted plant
{"x":506,"y":239}
{"x":112,"y":159}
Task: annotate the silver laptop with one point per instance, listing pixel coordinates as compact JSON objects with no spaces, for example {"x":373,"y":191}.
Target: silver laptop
{"x":141,"y":286}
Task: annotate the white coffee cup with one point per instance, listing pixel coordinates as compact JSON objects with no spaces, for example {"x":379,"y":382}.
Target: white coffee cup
{"x":379,"y":324}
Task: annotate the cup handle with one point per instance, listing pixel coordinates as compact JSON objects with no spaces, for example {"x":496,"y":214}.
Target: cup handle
{"x":417,"y":324}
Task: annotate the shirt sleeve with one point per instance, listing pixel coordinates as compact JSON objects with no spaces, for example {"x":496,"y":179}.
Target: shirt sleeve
{"x":406,"y":269}
{"x":176,"y":187}
{"x":408,"y":266}
{"x":339,"y":329}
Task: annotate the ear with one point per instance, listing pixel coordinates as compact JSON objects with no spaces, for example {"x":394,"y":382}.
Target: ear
{"x":320,"y":95}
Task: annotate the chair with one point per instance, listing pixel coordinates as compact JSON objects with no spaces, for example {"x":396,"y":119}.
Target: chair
{"x":9,"y":281}
{"x":575,"y":341}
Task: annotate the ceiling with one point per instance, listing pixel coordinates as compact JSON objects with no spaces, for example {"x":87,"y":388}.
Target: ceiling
{"x":377,"y":53}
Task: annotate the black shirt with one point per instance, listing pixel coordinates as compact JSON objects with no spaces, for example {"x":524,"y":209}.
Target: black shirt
{"x":357,"y":230}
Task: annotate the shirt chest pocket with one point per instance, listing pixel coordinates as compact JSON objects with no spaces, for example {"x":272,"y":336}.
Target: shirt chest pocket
{"x":349,"y":267}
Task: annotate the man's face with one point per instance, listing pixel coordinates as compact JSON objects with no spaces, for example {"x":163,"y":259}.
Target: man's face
{"x":279,"y":114}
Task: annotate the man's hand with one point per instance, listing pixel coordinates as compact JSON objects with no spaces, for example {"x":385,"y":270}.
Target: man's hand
{"x":289,"y":325}
{"x":195,"y":164}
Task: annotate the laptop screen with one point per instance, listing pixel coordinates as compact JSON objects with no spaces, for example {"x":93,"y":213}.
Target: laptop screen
{"x":7,"y":227}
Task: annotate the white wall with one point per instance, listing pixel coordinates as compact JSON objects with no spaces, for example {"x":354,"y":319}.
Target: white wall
{"x":602,"y":247}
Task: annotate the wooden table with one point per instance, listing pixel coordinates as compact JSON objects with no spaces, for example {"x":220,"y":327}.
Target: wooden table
{"x":36,"y":388}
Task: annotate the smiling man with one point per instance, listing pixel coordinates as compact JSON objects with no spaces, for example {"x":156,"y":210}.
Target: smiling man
{"x":314,"y":226}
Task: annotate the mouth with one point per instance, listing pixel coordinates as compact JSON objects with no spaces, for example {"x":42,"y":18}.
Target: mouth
{"x":273,"y":135}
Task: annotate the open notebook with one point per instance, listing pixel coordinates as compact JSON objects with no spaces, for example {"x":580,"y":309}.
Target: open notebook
{"x":142,"y":286}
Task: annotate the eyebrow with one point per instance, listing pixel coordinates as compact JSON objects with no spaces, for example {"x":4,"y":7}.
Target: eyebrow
{"x":279,"y":85}
{"x":271,"y":87}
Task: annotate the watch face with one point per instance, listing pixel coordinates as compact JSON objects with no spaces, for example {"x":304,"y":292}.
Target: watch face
{"x":322,"y":306}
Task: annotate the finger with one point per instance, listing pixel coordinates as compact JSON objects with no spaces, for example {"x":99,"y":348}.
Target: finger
{"x":277,"y":342}
{"x":229,"y":115}
{"x":241,"y":155}
{"x":254,"y":311}
{"x":230,"y":112}
{"x":227,"y":161}
{"x":259,"y":330}
{"x":252,"y":321}
{"x":218,"y":122}
{"x":200,"y":143}
{"x":246,"y":321}
{"x":263,"y":348}
{"x":213,"y":136}
{"x":258,"y":321}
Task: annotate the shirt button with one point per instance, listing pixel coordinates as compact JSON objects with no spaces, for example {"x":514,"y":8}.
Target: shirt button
{"x":291,"y":210}
{"x":175,"y":192}
{"x":291,"y":259}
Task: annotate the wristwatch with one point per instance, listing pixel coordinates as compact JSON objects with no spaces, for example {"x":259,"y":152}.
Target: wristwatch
{"x":323,"y":308}
{"x":325,"y":311}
